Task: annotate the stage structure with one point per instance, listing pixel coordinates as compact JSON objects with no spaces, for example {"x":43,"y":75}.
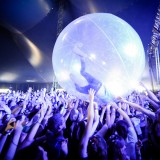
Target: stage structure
{"x":59,"y":29}
{"x":154,"y":54}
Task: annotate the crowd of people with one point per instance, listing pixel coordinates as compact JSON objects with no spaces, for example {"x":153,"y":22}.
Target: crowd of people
{"x":54,"y":125}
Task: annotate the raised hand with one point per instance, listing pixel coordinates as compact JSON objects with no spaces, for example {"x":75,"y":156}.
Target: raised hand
{"x":10,"y":125}
{"x":114,"y":105}
{"x":48,"y":112}
{"x":29,"y":89}
{"x":91,"y":94}
{"x":18,"y":125}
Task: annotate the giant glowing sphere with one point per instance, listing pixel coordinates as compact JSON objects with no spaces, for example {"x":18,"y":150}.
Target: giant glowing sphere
{"x":99,"y":51}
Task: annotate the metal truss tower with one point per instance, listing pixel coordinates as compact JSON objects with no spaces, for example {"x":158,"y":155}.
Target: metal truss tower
{"x":153,"y":52}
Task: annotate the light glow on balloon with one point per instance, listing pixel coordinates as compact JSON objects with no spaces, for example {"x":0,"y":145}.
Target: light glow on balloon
{"x":130,"y":49}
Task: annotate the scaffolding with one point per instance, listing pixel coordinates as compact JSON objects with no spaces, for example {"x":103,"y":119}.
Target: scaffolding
{"x":60,"y":27}
{"x":153,"y":53}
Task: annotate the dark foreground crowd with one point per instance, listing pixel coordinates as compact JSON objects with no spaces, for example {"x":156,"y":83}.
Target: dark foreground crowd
{"x":41,"y":125}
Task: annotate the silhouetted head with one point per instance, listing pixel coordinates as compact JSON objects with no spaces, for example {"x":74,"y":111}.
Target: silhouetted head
{"x":122,"y":128}
{"x":97,"y":148}
{"x":78,"y":131}
{"x":56,"y":123}
{"x":116,"y":148}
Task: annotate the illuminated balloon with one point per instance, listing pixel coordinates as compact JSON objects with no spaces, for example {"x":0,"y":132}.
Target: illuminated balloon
{"x":99,"y":51}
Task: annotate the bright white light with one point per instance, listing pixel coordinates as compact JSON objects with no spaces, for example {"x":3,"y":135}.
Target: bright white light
{"x":113,"y":83}
{"x":130,"y":49}
{"x":76,"y":67}
{"x":8,"y":77}
{"x":61,"y":61}
{"x":92,"y":56}
{"x":103,"y":63}
{"x":63,"y":76}
{"x":116,"y":73}
{"x":140,"y":88}
{"x":4,"y":90}
{"x":60,"y":90}
{"x":133,"y":83}
{"x":115,"y":89}
{"x":30,"y":80}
